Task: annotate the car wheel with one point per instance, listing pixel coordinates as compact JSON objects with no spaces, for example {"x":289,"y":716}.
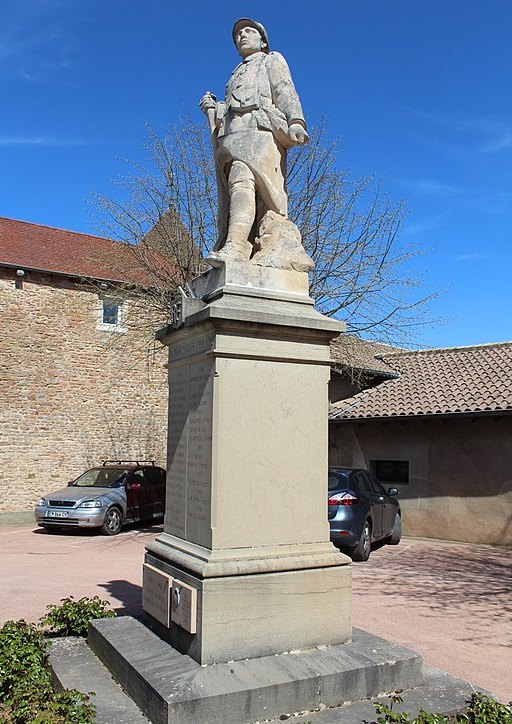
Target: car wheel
{"x":113,"y":522}
{"x":361,"y":551}
{"x":396,"y":535}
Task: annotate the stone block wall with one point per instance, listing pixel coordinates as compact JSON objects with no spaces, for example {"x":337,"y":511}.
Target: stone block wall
{"x":72,"y":392}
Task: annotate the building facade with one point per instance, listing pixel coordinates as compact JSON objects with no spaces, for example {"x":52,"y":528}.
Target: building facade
{"x":436,"y":424}
{"x":80,"y":380}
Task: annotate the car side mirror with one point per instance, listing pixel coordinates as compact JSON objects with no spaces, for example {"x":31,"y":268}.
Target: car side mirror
{"x":392,"y":491}
{"x":70,"y":482}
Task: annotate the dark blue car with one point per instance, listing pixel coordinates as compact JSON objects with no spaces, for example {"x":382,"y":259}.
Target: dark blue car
{"x":361,"y":512}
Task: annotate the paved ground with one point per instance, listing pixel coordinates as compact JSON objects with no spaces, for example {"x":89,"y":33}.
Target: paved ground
{"x":450,"y":602}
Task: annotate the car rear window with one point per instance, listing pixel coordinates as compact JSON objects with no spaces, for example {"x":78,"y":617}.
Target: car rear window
{"x":101,"y":478}
{"x":337,"y":480}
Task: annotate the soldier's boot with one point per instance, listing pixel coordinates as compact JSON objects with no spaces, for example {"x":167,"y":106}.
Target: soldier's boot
{"x":242,"y":210}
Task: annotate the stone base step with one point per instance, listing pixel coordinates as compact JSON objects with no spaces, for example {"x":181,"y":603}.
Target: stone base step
{"x":440,"y":693}
{"x":74,"y":666}
{"x":171,"y":687}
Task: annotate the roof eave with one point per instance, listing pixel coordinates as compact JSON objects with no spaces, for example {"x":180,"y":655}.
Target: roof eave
{"x":71,"y":275}
{"x":422,"y":416}
{"x":342,"y":368}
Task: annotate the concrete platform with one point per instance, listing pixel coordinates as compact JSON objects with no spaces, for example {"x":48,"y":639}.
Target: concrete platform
{"x":171,"y":687}
{"x":439,"y":693}
{"x":74,"y":666}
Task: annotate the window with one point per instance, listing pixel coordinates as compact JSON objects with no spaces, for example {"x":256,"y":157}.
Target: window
{"x":110,"y":312}
{"x":362,"y":483}
{"x":154,"y":476}
{"x":110,"y":315}
{"x":391,"y":471}
{"x":375,"y":485}
{"x":337,"y":480}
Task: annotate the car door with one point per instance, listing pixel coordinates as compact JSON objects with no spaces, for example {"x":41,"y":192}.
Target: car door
{"x":375,"y":500}
{"x":155,"y":481}
{"x":389,"y":506}
{"x":138,"y":496}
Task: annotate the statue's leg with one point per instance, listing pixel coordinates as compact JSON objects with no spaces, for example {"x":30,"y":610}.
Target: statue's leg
{"x":242,"y":206}
{"x":242,"y":211}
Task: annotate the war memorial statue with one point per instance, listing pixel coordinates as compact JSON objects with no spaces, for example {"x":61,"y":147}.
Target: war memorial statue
{"x":252,"y":129}
{"x":247,"y":603}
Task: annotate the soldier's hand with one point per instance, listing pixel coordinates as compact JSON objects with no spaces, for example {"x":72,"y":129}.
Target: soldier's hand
{"x":298,"y":134}
{"x":207,"y":102}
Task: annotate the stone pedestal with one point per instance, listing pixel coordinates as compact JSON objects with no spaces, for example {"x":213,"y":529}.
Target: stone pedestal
{"x":245,"y":561}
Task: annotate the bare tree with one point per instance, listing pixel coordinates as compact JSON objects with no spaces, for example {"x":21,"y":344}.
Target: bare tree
{"x":351,"y":229}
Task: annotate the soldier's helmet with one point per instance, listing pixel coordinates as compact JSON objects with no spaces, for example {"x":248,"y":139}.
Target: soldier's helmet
{"x":243,"y":23}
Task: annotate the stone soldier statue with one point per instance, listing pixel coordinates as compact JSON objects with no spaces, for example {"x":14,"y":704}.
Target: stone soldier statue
{"x":252,"y":129}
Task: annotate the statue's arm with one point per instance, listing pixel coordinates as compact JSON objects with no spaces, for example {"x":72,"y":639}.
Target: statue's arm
{"x":208,"y":104}
{"x":285,"y":97}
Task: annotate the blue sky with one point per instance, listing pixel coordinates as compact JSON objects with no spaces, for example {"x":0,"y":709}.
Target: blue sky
{"x":419,"y":93}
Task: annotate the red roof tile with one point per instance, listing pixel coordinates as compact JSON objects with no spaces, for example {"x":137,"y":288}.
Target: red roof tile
{"x":44,"y":248}
{"x":437,"y":382}
{"x":349,"y":352}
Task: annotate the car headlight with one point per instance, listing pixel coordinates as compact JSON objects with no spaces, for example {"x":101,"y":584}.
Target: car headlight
{"x":91,"y":504}
{"x":41,"y":501}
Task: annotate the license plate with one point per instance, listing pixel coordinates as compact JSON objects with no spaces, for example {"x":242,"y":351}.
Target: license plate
{"x":57,"y":514}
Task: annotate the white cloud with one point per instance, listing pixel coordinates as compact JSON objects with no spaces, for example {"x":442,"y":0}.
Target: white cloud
{"x":17,"y":140}
{"x":431,"y":186}
{"x":33,"y":39}
{"x":474,"y":134}
{"x":502,"y":142}
{"x":473,"y":257}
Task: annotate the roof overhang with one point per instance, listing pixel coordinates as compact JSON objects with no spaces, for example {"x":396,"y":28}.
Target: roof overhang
{"x":69,"y":275}
{"x":426,"y":416}
{"x":343,"y":369}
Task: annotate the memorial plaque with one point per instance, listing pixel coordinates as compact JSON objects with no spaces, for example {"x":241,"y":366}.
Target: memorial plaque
{"x":184,"y":606}
{"x":192,"y":347}
{"x":177,"y":449}
{"x":190,"y":445}
{"x":199,"y":452}
{"x":156,"y":594}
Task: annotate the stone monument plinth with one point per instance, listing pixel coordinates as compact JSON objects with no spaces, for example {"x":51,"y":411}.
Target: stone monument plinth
{"x":248,"y":601}
{"x":245,"y":567}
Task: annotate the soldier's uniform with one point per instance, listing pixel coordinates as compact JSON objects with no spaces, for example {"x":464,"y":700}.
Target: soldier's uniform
{"x":252,"y":133}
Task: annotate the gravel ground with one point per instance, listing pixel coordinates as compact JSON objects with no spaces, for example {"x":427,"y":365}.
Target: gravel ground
{"x":450,"y":602}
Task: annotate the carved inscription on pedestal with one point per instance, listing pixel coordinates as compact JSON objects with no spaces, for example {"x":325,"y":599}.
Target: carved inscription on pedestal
{"x":199,"y":450}
{"x":176,"y":510}
{"x":191,"y":347}
{"x":190,"y":445}
{"x":156,"y":594}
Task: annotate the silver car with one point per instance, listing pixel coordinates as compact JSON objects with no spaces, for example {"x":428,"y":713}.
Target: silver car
{"x":106,"y":498}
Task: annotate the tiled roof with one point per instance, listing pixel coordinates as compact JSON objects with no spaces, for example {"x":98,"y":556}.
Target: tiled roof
{"x":44,"y":248}
{"x":437,"y":382}
{"x":351,"y":352}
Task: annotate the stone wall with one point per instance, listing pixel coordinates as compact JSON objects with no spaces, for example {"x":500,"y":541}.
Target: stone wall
{"x":73,"y":393}
{"x":460,"y":472}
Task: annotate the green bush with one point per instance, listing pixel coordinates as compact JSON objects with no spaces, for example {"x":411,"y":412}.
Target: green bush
{"x":480,"y":710}
{"x":485,"y":710}
{"x":26,"y":694}
{"x":23,"y":655}
{"x":71,"y":618}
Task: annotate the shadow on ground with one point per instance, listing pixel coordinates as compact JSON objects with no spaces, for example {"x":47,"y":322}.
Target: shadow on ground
{"x":137,"y":528}
{"x":450,"y":580}
{"x":128,"y":593}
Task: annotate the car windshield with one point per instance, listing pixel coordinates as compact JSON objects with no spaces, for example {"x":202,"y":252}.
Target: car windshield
{"x":101,"y":478}
{"x":338,"y":479}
